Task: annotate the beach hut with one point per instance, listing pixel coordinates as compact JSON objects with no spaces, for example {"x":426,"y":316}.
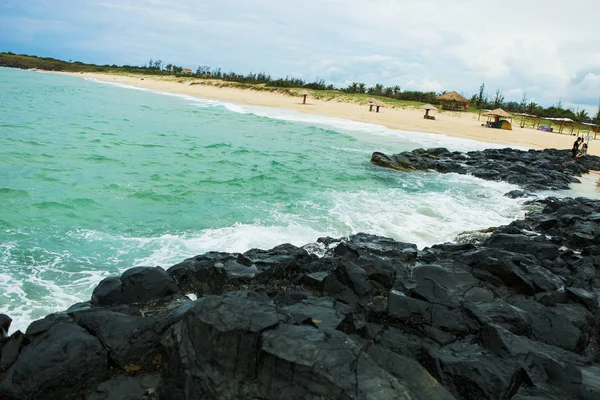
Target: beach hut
{"x":453,"y":101}
{"x":374,"y":103}
{"x":534,"y":119}
{"x":498,"y":123}
{"x":593,"y":127}
{"x":304,"y":94}
{"x":187,"y":71}
{"x":562,"y":122}
{"x":427,"y":108}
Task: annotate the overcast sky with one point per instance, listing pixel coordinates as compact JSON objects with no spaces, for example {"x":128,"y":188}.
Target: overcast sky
{"x":549,"y":50}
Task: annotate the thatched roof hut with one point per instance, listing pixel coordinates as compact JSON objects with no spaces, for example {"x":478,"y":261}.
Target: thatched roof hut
{"x":498,"y":112}
{"x":427,"y":108}
{"x":593,"y":127}
{"x":498,"y":123}
{"x":453,"y":101}
{"x":562,"y":122}
{"x":374,"y":103}
{"x":304,"y":94}
{"x":534,"y":119}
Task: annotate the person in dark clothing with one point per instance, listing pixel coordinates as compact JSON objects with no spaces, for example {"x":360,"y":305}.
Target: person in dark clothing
{"x":575,"y":149}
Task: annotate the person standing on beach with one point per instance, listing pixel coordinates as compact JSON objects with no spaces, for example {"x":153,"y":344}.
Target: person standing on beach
{"x":575,"y":149}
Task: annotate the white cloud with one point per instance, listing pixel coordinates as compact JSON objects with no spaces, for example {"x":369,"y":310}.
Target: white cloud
{"x":549,"y":51}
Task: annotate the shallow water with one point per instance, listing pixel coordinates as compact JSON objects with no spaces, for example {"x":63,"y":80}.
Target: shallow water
{"x":96,"y":178}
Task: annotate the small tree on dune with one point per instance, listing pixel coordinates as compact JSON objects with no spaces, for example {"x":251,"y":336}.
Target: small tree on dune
{"x":523,"y":103}
{"x":479,"y":99}
{"x":498,"y":99}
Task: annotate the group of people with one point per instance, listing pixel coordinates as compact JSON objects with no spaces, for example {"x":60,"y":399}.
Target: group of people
{"x":576,"y":152}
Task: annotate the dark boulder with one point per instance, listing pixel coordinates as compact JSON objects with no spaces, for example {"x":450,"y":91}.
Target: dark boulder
{"x":501,"y":313}
{"x":545,"y":365}
{"x":547,"y":169}
{"x":244,"y":347}
{"x":365,"y":245}
{"x":130,"y":340}
{"x":210,"y":272}
{"x":517,"y":272}
{"x":127,"y":388}
{"x":562,"y":325}
{"x":473,"y":373}
{"x":5,"y":322}
{"x":10,"y":350}
{"x":136,"y":285}
{"x":61,"y":360}
{"x":536,"y":246}
{"x":215,"y":273}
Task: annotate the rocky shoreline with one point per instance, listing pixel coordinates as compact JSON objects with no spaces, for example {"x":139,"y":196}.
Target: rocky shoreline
{"x":513,"y":316}
{"x":548,"y":169}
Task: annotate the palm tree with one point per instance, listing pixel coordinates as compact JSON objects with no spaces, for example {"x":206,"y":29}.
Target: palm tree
{"x":353,"y":88}
{"x":377,"y":89}
{"x":582,"y":116}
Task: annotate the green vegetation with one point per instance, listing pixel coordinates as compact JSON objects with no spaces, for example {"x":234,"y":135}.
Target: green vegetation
{"x":482,"y":101}
{"x":356,"y":92}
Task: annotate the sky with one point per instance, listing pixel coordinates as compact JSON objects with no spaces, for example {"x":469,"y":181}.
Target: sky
{"x":548,"y":51}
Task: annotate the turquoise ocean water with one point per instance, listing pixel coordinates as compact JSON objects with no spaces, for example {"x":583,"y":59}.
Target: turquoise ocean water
{"x":96,"y":178}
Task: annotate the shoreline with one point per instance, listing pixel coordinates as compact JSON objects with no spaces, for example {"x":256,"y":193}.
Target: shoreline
{"x":453,"y":124}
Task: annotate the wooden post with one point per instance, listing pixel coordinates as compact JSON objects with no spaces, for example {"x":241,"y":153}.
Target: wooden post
{"x":304,"y":100}
{"x":377,"y":108}
{"x":370,"y":107}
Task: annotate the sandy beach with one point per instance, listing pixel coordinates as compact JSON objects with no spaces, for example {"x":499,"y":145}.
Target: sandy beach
{"x":455,"y":124}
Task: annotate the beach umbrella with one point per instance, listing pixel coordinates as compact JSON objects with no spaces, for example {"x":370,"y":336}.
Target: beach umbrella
{"x":374,"y":102}
{"x":304,"y":93}
{"x":498,"y":112}
{"x":427,"y":108}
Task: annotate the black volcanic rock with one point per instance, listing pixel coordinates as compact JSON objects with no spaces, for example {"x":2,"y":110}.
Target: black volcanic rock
{"x":513,"y":317}
{"x":139,"y":284}
{"x":10,"y":350}
{"x":5,"y":322}
{"x":533,"y":170}
{"x":61,"y":360}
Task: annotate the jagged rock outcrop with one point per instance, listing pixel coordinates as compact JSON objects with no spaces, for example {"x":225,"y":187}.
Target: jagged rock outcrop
{"x":533,"y":169}
{"x":515,"y":316}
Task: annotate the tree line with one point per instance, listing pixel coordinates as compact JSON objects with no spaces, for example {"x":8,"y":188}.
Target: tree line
{"x":480,"y":100}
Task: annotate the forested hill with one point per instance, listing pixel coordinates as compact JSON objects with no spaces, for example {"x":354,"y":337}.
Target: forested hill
{"x":52,"y":64}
